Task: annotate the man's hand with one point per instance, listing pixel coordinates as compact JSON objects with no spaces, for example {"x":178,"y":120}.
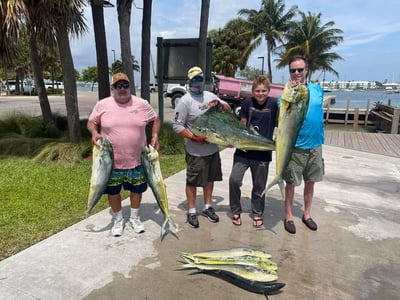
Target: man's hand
{"x":199,"y":139}
{"x":213,"y":103}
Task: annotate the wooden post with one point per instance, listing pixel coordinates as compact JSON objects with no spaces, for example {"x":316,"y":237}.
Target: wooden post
{"x":395,"y":121}
{"x":356,"y":117}
{"x":327,"y":112}
{"x":367,"y":114}
{"x":346,"y":114}
{"x":389,"y":102}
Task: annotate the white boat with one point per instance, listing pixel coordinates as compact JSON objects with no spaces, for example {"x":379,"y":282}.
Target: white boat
{"x":388,"y":90}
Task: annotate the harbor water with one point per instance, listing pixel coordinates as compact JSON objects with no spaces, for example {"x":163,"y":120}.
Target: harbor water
{"x":359,"y":98}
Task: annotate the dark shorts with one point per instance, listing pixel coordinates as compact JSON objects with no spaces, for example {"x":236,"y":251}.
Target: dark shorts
{"x":203,"y":169}
{"x":132,"y":180}
{"x":305,"y":164}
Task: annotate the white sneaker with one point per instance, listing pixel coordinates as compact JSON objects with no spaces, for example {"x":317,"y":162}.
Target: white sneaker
{"x":118,"y":227}
{"x":136,"y":224}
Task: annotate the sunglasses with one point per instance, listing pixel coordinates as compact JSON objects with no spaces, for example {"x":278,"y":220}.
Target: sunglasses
{"x":298,"y":70}
{"x":119,"y":86}
{"x":197,"y":79}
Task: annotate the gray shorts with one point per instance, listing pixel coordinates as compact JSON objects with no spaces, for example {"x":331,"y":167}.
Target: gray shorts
{"x":305,"y":164}
{"x":202,"y":169}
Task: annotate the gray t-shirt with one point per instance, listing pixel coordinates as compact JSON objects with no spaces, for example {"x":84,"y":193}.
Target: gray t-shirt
{"x":189,"y":108}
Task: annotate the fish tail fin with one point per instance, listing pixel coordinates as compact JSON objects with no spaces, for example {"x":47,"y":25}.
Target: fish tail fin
{"x":270,"y":185}
{"x":282,"y":188}
{"x":279,"y":182}
{"x":171,"y":224}
{"x":187,"y":265}
{"x":187,"y":257}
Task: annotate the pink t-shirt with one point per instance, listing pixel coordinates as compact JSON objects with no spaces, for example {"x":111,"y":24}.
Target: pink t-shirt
{"x":124,"y":126}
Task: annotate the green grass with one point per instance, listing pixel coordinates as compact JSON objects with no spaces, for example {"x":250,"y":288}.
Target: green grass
{"x":44,"y":181}
{"x":41,"y":199}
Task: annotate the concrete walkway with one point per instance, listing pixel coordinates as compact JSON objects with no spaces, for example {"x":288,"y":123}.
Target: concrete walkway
{"x":353,"y":255}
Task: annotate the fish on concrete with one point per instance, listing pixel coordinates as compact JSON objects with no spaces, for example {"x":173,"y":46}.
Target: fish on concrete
{"x":292,"y":112}
{"x":255,"y":286}
{"x":238,"y":260}
{"x":229,"y":253}
{"x":102,"y":164}
{"x":243,"y":271}
{"x":224,"y":129}
{"x":244,"y":267}
{"x":151,"y":166}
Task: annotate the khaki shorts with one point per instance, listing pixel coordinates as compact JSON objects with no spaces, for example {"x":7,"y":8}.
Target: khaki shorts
{"x":203,"y":169}
{"x":305,"y":164}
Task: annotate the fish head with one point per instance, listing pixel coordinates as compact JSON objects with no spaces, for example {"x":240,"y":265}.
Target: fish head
{"x":104,"y":147}
{"x":212,"y":135}
{"x":294,"y":94}
{"x":150,"y":153}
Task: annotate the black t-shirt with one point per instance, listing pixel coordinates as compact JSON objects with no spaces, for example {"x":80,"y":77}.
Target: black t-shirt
{"x":263,"y":119}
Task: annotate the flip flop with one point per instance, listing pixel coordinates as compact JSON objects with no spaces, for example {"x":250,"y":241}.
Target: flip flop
{"x":258,"y":222}
{"x":236,"y":220}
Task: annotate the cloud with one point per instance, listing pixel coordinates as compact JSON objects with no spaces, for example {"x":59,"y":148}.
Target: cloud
{"x":370,"y":29}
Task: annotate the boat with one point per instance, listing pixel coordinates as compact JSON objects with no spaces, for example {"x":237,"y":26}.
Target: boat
{"x":388,"y":90}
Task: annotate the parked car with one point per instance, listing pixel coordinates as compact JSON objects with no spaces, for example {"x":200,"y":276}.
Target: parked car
{"x":25,"y":86}
{"x":56,"y":84}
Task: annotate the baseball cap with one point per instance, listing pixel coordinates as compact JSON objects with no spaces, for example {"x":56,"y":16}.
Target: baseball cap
{"x":195,"y":71}
{"x":119,"y":77}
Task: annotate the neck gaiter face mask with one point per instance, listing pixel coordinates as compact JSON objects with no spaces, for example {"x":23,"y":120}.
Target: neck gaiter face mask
{"x":196,"y":87}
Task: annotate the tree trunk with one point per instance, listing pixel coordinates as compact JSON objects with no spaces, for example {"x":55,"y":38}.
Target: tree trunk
{"x":269,"y":63}
{"x":70,"y":90}
{"x":101,"y":50}
{"x":205,"y":8}
{"x":146,"y":36}
{"x":39,"y":82}
{"x":124,"y":19}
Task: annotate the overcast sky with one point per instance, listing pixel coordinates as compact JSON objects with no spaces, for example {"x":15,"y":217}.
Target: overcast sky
{"x":370,"y":50}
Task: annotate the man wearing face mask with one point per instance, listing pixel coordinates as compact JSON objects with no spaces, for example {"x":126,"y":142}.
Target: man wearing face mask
{"x":202,"y":159}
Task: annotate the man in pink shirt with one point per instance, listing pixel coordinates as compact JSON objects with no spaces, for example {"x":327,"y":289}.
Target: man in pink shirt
{"x":122,"y":119}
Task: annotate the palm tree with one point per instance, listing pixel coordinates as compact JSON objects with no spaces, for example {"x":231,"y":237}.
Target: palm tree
{"x":10,"y":38}
{"x":270,"y":23}
{"x":50,"y":21}
{"x":101,"y":48}
{"x":124,"y":8}
{"x":15,"y":16}
{"x":229,"y":47}
{"x":311,"y":38}
{"x":146,"y":37}
{"x":225,"y":60}
{"x":68,"y":19}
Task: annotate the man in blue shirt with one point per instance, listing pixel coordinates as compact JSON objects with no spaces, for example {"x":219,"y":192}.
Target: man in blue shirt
{"x":306,"y":162}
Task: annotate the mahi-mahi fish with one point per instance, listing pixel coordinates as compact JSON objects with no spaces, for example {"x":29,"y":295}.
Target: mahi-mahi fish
{"x":228,"y":253}
{"x":152,"y":170}
{"x":255,"y":286}
{"x":238,"y":260}
{"x":224,"y":129}
{"x":244,"y":271}
{"x":102,"y":163}
{"x":292,"y":112}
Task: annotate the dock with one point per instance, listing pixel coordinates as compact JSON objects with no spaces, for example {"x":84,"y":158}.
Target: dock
{"x":378,"y":143}
{"x":383,"y":116}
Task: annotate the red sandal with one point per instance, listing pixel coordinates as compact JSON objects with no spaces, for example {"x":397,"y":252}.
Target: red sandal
{"x":236,"y":220}
{"x":258,"y":222}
